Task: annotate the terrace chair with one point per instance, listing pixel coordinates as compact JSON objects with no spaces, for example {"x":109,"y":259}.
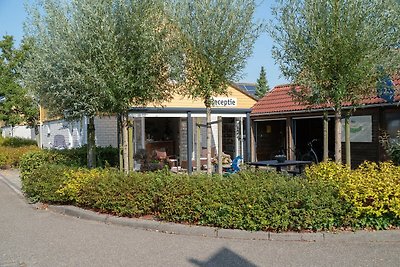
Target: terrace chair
{"x":235,"y":166}
{"x":161,"y":155}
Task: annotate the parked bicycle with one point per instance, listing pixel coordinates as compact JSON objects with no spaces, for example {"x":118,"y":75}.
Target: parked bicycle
{"x":310,"y":155}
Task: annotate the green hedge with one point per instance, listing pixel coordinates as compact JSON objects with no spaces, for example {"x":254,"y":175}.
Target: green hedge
{"x":105,"y":156}
{"x":249,"y":200}
{"x":16,"y":142}
{"x":12,"y":149}
{"x":328,"y":196}
{"x":10,"y":156}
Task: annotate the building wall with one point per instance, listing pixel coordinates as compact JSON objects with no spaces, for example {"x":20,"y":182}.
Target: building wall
{"x":183,"y":139}
{"x":64,"y":134}
{"x":18,"y":131}
{"x":106,"y":131}
{"x":57,"y":134}
{"x":243,"y":100}
{"x":360,"y":151}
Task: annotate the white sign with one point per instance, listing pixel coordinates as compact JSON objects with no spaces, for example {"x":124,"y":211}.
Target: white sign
{"x":360,"y":129}
{"x":224,"y":102}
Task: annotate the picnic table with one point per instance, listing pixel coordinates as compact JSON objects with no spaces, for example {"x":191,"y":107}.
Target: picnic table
{"x":300,"y":164}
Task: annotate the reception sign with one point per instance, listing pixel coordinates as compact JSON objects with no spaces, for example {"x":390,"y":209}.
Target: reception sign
{"x":224,"y":102}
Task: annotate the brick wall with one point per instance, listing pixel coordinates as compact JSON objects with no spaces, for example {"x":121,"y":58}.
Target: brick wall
{"x":106,"y":131}
{"x":183,"y":139}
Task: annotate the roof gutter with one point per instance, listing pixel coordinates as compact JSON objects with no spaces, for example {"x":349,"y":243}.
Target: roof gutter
{"x":322,"y":109}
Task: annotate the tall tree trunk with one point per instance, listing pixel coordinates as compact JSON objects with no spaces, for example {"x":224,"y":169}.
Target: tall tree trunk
{"x":338,"y":136}
{"x":119,"y":135}
{"x":208,"y":123}
{"x":125,"y":142}
{"x":219,"y":145}
{"x":198,"y":144}
{"x":326,"y":137}
{"x":347,"y":138}
{"x":91,"y":144}
{"x":130,"y":146}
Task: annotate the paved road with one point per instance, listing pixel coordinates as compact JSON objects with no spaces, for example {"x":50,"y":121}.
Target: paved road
{"x":30,"y":237}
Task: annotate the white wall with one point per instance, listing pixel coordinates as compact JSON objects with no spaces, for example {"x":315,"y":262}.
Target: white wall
{"x":64,"y":134}
{"x":18,"y":131}
{"x":59,"y":134}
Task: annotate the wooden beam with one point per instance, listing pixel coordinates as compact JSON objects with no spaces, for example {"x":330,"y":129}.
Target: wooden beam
{"x":289,"y":139}
{"x":219,"y":145}
{"x":347,"y":137}
{"x":326,"y":138}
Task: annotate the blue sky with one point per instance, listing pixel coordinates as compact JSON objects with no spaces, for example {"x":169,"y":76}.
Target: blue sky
{"x":12,"y":16}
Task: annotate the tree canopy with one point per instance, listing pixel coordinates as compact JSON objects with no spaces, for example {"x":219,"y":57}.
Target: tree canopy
{"x":16,"y":104}
{"x":98,"y":56}
{"x":92,"y":57}
{"x":217,"y":37}
{"x":333,"y":49}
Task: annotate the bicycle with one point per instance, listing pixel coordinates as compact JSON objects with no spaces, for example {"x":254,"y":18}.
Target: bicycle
{"x":310,"y":155}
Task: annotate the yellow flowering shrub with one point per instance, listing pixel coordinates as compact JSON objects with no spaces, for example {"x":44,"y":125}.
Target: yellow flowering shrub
{"x":373,"y":189}
{"x":10,"y":156}
{"x":329,"y":171}
{"x":76,"y":180}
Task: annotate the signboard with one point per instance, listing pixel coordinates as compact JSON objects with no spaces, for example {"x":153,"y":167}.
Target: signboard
{"x":360,"y":129}
{"x":224,"y":102}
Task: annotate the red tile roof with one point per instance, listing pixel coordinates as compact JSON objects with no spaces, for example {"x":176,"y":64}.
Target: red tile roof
{"x":278,"y":100}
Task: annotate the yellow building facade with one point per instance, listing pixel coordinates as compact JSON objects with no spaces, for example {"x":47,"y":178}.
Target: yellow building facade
{"x":179,"y":127}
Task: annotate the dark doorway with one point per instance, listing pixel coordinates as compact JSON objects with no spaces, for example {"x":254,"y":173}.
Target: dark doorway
{"x":270,"y":138}
{"x":162,"y":133}
{"x":307,"y":130}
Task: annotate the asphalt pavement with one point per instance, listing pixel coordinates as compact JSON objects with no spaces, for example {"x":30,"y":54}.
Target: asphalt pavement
{"x":40,"y":235}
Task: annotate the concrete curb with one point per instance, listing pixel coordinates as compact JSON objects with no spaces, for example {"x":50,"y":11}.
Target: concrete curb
{"x":181,"y":229}
{"x":11,"y":185}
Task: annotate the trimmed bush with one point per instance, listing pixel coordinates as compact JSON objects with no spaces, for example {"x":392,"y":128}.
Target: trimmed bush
{"x":114,"y":192}
{"x":105,"y":156}
{"x":248,"y":200}
{"x":35,"y":159}
{"x":372,"y":189}
{"x":10,"y":156}
{"x":12,"y":149}
{"x":44,"y":182}
{"x":17,"y":142}
{"x":252,"y":201}
{"x":329,"y":196}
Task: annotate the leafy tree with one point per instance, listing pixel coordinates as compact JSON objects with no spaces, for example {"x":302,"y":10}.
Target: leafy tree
{"x":146,"y":48}
{"x":16,"y":105}
{"x":217,"y":38}
{"x":62,"y":66}
{"x":93,"y":57}
{"x":332,"y":49}
{"x":262,"y":84}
